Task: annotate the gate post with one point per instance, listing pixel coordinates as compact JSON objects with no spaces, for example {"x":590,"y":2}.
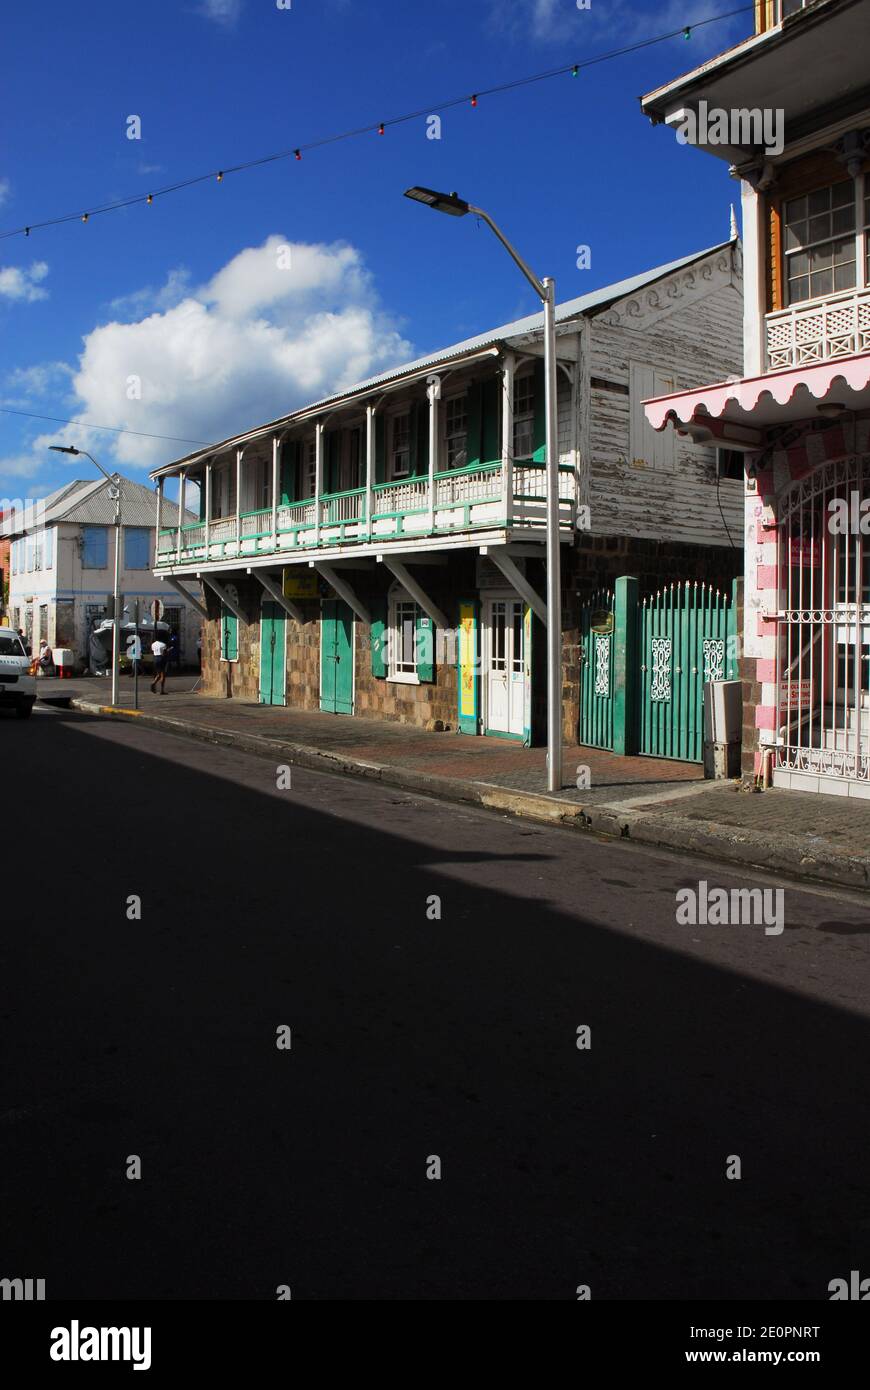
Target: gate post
{"x":625,"y":662}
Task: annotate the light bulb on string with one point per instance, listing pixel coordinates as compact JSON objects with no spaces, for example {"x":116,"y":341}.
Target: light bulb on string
{"x":474,"y":101}
{"x":575,"y":70}
{"x":381,"y":128}
{"x":297,"y":154}
{"x":220,"y":176}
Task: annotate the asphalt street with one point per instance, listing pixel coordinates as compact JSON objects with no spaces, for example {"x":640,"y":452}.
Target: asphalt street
{"x":413,"y":1036}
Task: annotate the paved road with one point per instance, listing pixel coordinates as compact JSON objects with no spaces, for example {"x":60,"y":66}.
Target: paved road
{"x":411,"y":1037}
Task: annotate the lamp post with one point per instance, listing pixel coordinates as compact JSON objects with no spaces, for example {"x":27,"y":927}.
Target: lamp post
{"x":545,"y":289}
{"x":115,"y":493}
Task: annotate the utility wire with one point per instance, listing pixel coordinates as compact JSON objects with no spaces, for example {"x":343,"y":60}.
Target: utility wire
{"x":115,"y":429}
{"x":378,"y":126}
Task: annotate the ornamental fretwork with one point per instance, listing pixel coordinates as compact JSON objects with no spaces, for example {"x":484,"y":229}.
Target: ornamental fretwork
{"x":661,"y":669}
{"x":714,"y":659}
{"x":602,"y":664}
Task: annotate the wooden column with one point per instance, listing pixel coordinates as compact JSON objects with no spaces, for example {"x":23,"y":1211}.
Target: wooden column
{"x":275,"y":448}
{"x":318,"y":478}
{"x":159,"y":519}
{"x":507,"y":436}
{"x":370,"y":467}
{"x":239,"y":453}
{"x":433,"y":391}
{"x":207,"y":507}
{"x":180,"y":508}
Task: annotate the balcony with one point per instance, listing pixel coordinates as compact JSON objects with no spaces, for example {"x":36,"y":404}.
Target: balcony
{"x":818,"y":332}
{"x":463,"y":500}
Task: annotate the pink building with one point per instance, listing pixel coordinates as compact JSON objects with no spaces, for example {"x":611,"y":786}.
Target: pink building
{"x":789,"y":111}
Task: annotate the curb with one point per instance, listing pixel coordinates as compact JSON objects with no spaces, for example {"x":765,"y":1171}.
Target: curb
{"x":787,"y":854}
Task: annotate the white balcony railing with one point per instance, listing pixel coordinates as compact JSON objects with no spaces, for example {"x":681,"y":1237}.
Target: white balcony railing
{"x":818,"y":332}
{"x":466,"y":500}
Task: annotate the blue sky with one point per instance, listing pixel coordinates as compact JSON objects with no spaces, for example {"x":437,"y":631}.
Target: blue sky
{"x":190,"y":297}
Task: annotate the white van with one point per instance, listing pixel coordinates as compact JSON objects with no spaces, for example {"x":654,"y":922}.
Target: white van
{"x":17,"y":686}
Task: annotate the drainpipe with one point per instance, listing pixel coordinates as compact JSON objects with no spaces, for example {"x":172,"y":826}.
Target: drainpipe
{"x":370,"y":467}
{"x":507,"y":435}
{"x":180,"y":508}
{"x":433,"y":391}
{"x":318,"y":478}
{"x":275,"y":492}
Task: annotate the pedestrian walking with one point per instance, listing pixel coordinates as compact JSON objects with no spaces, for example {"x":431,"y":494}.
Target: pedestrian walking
{"x":158,"y":652}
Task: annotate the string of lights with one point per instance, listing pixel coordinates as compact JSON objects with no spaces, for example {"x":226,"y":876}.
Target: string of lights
{"x":378,"y":127}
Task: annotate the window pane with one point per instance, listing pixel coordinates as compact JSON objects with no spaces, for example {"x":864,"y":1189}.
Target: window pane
{"x":844,"y":276}
{"x":821,"y":283}
{"x":843,"y":194}
{"x":843,"y":220}
{"x":819,"y":201}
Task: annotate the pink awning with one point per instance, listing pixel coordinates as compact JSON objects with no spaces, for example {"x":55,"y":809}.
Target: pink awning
{"x":737,"y":412}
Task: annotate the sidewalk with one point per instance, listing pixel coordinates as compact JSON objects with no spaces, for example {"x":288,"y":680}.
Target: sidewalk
{"x":650,"y":801}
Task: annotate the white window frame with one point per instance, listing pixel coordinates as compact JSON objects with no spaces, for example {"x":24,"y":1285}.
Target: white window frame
{"x":858,"y":237}
{"x":392,"y":422}
{"x":524,"y":383}
{"x":399,"y":600}
{"x":448,"y":431}
{"x":308,"y":479}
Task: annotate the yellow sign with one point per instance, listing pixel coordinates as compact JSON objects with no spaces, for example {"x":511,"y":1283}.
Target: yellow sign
{"x":300,"y":583}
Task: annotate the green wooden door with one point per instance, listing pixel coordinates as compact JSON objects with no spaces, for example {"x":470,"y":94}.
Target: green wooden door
{"x":336,"y":658}
{"x":273,"y":632}
{"x":596,"y":669}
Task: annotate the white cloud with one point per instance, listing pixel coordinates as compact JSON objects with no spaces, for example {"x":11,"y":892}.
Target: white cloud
{"x":5,"y":191}
{"x":145,"y":301}
{"x":38,"y":379}
{"x":253,"y":343}
{"x":24,"y":285}
{"x":224,"y":12}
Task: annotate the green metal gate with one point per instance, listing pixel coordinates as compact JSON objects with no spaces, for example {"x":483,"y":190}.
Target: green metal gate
{"x":686,"y":636}
{"x":597,"y":631}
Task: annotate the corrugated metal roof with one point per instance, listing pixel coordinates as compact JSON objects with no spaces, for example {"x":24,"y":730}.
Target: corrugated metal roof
{"x":570,"y":309}
{"x":86,"y":502}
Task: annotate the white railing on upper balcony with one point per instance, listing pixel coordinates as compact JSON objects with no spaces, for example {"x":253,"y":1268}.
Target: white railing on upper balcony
{"x":818,"y":332}
{"x":460,"y":500}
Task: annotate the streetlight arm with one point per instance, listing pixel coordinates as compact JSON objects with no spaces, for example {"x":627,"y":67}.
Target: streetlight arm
{"x":530,"y":275}
{"x":112,"y":477}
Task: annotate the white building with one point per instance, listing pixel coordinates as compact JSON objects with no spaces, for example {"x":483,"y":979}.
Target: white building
{"x":62,"y":559}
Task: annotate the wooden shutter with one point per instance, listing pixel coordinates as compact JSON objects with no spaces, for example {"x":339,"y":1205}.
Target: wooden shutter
{"x":422,"y":439}
{"x":287,"y":485}
{"x":491,"y":430}
{"x":540,"y":433}
{"x":774,"y":255}
{"x":424,"y":646}
{"x":474,"y":423}
{"x":379,"y":637}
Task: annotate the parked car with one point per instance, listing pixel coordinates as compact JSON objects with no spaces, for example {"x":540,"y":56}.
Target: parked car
{"x":17,"y":685}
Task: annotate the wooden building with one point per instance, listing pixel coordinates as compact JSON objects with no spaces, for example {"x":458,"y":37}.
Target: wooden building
{"x":381,"y":553}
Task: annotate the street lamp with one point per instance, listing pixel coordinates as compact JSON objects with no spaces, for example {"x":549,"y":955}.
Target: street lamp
{"x":115,"y":493}
{"x":454,"y":206}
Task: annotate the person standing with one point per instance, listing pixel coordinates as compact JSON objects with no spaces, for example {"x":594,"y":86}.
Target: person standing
{"x":158,"y":653}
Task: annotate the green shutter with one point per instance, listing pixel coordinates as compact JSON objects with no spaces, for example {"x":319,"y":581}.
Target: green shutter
{"x":229,"y":635}
{"x":424,"y":645}
{"x":380,"y":449}
{"x":491,"y":421}
{"x":474,"y":418}
{"x":540,"y":452}
{"x":331,"y":456}
{"x":422,"y":440}
{"x":379,"y":637}
{"x":289,"y":465}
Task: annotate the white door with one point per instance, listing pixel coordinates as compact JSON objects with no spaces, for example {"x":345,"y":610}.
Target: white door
{"x":505,"y":668}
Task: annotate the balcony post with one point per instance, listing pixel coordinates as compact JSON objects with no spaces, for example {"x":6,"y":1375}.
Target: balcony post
{"x":159,"y":520}
{"x":433,"y":391}
{"x":208,"y":509}
{"x":239,"y":453}
{"x":275,"y":491}
{"x":180,"y":507}
{"x":507,"y":435}
{"x":318,"y":478}
{"x":370,"y":468}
